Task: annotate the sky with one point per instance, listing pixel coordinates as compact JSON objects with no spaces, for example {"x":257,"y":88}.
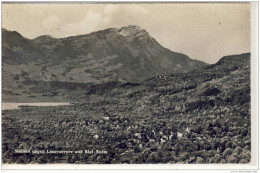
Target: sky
{"x":203,"y":31}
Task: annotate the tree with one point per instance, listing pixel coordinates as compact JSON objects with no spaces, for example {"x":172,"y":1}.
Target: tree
{"x":99,"y":159}
{"x":227,"y":152}
{"x":69,"y":158}
{"x":42,"y":159}
{"x":16,"y":77}
{"x":152,"y":157}
{"x":134,"y":160}
{"x":238,"y":150}
{"x":21,"y":160}
{"x":217,"y":158}
{"x":243,"y":161}
{"x":232,"y":159}
{"x":199,"y":160}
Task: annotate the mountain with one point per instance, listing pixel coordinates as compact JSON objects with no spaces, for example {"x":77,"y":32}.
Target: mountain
{"x":16,"y":49}
{"x":44,"y":39}
{"x":115,"y":54}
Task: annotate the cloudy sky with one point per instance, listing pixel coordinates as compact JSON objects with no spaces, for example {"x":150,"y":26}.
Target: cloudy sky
{"x":203,"y":31}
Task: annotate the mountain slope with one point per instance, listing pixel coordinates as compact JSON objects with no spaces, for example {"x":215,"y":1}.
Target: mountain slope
{"x":116,"y":54}
{"x":16,"y":49}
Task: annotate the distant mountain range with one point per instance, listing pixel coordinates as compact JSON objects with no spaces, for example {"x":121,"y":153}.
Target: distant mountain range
{"x":127,"y":54}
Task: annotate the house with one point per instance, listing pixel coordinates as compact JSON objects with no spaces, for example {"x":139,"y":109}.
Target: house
{"x":179,"y":135}
{"x":106,"y":118}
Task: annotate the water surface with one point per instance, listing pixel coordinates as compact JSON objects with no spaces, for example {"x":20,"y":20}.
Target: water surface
{"x":13,"y":105}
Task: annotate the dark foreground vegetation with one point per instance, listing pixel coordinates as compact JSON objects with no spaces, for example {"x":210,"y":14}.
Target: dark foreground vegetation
{"x":198,"y":117}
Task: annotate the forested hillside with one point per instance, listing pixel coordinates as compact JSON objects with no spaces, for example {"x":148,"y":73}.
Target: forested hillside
{"x":202,"y":116}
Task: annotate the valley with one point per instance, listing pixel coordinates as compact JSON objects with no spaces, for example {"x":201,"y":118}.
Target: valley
{"x":202,"y":116}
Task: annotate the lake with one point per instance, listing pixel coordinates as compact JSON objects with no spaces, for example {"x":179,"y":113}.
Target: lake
{"x":13,"y":105}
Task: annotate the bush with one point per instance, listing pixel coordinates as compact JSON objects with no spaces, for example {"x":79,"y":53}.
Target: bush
{"x":227,"y":152}
{"x":199,"y":160}
{"x":232,"y":159}
{"x":211,"y":92}
{"x":243,"y":161}
{"x":16,"y":77}
{"x":217,"y":158}
{"x":238,"y":150}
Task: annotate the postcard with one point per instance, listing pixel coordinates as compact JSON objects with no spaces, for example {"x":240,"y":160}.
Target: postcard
{"x":129,"y":85}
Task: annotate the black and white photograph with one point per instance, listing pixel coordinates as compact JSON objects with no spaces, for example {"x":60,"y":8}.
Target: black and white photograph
{"x":134,"y":83}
